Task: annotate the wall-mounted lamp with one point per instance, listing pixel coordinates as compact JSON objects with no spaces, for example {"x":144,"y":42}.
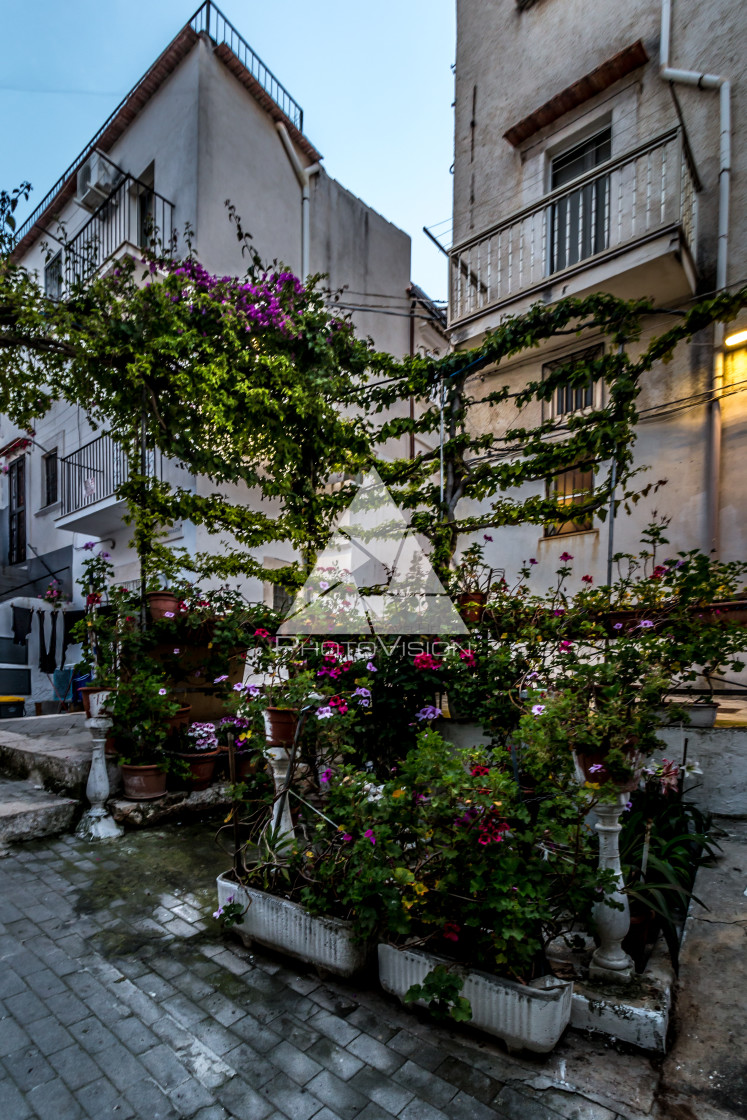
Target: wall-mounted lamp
{"x":737,"y":339}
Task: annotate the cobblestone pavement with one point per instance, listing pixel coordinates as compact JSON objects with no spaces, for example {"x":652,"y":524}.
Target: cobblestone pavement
{"x":120,"y":997}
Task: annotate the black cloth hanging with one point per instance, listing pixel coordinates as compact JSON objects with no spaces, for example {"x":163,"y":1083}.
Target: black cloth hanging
{"x":22,"y":619}
{"x":69,"y":619}
{"x":47,"y":659}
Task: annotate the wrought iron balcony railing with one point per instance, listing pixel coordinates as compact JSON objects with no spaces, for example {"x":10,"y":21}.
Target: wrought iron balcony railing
{"x":94,"y":472}
{"x":133,"y":214}
{"x":623,"y":202}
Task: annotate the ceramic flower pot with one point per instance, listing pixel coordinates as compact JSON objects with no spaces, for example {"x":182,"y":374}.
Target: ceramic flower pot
{"x":591,"y":767}
{"x":161,"y":603}
{"x":526,"y":1016}
{"x":88,"y":693}
{"x":179,"y":719}
{"x":279,"y":924}
{"x":280,"y":726}
{"x":143,"y":783}
{"x":201,"y":767}
{"x":472,"y":605}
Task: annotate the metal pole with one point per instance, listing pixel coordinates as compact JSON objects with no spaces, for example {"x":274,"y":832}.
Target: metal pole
{"x":441,"y":443}
{"x":611,"y":533}
{"x":234,"y":813}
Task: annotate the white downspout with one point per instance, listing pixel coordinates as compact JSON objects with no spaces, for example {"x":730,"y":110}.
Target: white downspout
{"x":712,"y":82}
{"x":303,"y":174}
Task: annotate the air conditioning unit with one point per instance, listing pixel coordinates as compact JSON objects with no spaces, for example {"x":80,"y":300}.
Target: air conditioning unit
{"x":97,"y":178}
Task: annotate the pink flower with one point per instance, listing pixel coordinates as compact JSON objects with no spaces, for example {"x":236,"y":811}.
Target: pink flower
{"x":325,"y":775}
{"x":369,"y":835}
{"x":565,"y":645}
{"x":261,"y":633}
{"x":468,"y":656}
{"x":538,"y":709}
{"x":347,"y":837}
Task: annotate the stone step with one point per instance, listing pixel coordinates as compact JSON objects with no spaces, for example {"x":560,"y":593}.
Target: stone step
{"x":51,"y":751}
{"x":27,"y":812}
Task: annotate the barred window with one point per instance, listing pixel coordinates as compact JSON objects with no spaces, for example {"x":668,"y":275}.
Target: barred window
{"x":573,"y":397}
{"x":571,"y":488}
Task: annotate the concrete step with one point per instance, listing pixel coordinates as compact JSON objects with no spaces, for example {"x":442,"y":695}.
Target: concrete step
{"x":51,"y":751}
{"x":27,"y":812}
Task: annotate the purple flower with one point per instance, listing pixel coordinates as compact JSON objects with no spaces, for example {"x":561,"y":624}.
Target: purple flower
{"x":538,"y":709}
{"x":533,"y":561}
{"x":428,"y":712}
{"x":168,"y":614}
{"x":89,"y":546}
{"x":177,"y":651}
{"x":362,"y":692}
{"x":323,"y":584}
{"x":646,"y":624}
{"x":218,"y":680}
{"x":105,"y":555}
{"x":347,"y":837}
{"x":369,"y":834}
{"x":162,"y":692}
{"x":371,"y":667}
{"x":565,"y":556}
{"x":487,"y":537}
{"x":218,"y":913}
{"x":617,"y":626}
{"x":532,"y":676}
{"x":596,"y":768}
{"x":324,"y":713}
{"x":238,"y":687}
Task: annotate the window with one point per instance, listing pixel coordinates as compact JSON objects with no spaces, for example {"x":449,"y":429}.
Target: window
{"x":579,"y":220}
{"x":17,"y":511}
{"x":50,"y":478}
{"x":571,"y":488}
{"x":572,"y":396}
{"x":281,"y":600}
{"x":53,"y":277}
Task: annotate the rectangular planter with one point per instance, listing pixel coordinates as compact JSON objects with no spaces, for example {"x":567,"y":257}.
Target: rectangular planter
{"x":531,"y":1016}
{"x":326,"y":943}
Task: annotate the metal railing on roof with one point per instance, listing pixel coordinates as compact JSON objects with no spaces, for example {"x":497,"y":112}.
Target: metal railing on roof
{"x":210,"y":19}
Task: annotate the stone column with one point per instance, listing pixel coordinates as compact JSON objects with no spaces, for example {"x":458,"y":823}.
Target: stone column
{"x":281,"y":816}
{"x":96,"y":823}
{"x":609,"y":961}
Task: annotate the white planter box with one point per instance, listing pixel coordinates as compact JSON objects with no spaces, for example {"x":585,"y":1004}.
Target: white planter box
{"x":279,"y":924}
{"x":531,"y":1016}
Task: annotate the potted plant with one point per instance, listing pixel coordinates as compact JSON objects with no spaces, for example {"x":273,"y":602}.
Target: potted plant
{"x":140,"y":714}
{"x":472,"y":583}
{"x":392,"y":857}
{"x":200,"y":753}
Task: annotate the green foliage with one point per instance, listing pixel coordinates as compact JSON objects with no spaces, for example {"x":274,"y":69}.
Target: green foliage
{"x":440,"y":990}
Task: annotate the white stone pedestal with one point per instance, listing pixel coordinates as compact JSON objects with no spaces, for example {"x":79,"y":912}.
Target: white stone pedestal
{"x":96,"y":823}
{"x":282,"y":824}
{"x":609,"y":961}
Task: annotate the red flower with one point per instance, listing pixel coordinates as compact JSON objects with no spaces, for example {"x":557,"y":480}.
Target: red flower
{"x":587,"y":579}
{"x":565,"y":556}
{"x":479,"y":771}
{"x":658,"y":572}
{"x":451,"y":931}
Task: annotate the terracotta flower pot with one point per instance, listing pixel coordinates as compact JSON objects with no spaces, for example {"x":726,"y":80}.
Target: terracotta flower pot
{"x":161,"y":603}
{"x":201,"y":766}
{"x":85,"y":695}
{"x":143,"y":783}
{"x":280,"y":726}
{"x":593,"y":769}
{"x":180,"y":718}
{"x":472,"y":605}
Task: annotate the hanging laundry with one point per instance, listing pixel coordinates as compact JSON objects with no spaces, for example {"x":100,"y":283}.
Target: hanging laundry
{"x":69,"y":619}
{"x":47,"y":659}
{"x":22,"y":619}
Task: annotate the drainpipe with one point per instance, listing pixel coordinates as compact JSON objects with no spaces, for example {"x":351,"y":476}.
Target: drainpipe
{"x":710,"y":82}
{"x":303,"y":174}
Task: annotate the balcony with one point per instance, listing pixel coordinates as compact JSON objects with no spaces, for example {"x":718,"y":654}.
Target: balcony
{"x":629,"y":227}
{"x":89,"y":480}
{"x":127,"y":221}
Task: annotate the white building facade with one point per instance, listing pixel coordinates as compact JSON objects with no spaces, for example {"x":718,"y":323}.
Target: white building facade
{"x":602,"y":147}
{"x":206,"y":123}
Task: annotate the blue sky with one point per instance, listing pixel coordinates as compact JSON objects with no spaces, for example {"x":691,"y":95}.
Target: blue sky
{"x":374,"y":80}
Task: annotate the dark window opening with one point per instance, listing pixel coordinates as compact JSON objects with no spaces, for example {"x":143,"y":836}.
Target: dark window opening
{"x":50,"y":478}
{"x":281,"y":599}
{"x":53,"y":277}
{"x":17,"y":511}
{"x":570,"y":488}
{"x":579,"y":220}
